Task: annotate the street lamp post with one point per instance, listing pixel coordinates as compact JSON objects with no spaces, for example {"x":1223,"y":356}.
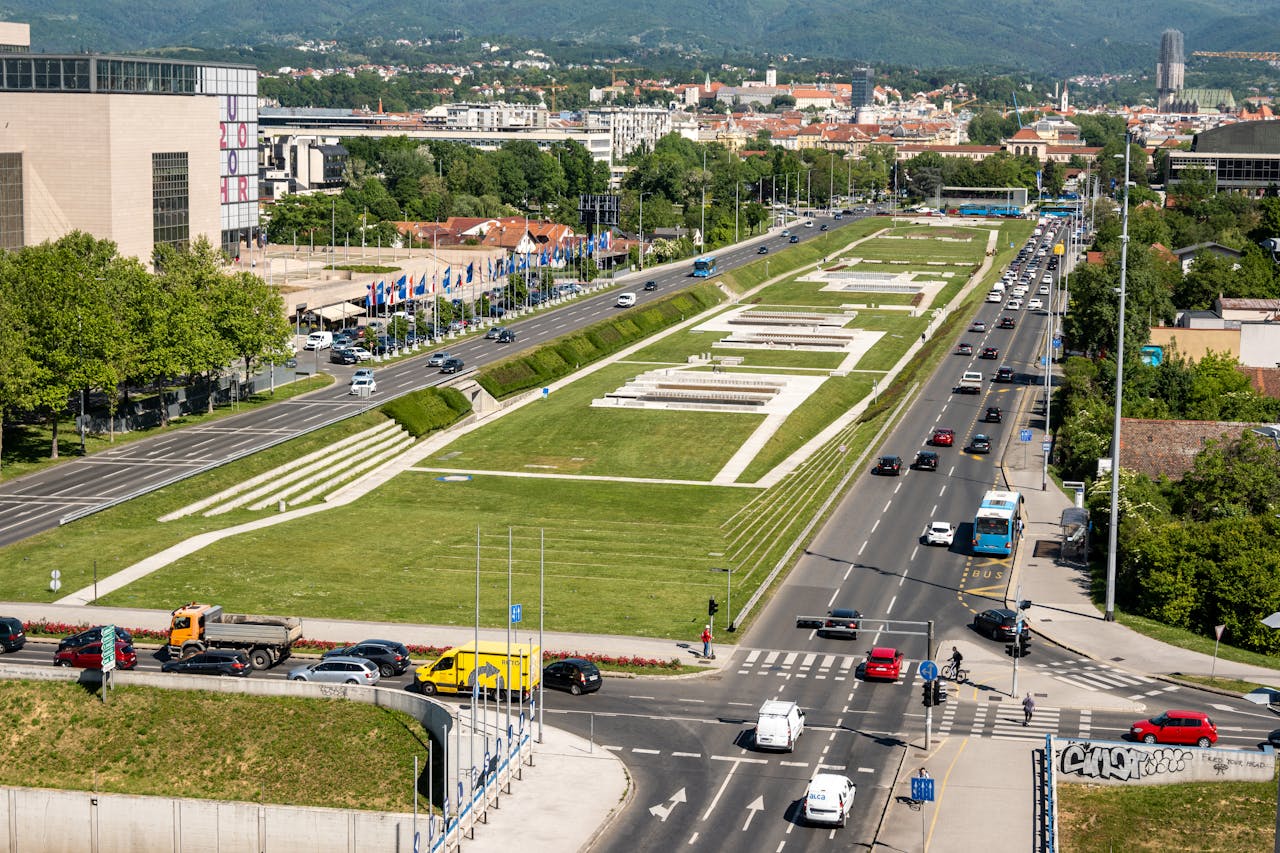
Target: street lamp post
{"x":1110,"y":614}
{"x":702,"y":179}
{"x":640,"y":248}
{"x":728,"y":598}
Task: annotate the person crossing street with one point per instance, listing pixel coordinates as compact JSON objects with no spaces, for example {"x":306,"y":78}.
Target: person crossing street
{"x":1028,"y":708}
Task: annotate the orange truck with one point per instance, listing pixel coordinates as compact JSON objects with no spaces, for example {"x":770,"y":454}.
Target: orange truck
{"x":266,"y":640}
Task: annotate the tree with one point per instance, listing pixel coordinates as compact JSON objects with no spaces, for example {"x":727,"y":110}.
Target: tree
{"x":18,"y":370}
{"x":1233,"y":479}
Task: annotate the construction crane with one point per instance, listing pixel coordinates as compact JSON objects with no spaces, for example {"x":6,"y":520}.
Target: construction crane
{"x":553,"y":88}
{"x":616,"y":70}
{"x":1262,"y":56}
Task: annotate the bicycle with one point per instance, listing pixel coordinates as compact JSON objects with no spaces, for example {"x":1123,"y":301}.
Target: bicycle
{"x":953,"y":673}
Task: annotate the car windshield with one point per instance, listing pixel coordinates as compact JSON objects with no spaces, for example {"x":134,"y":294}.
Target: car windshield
{"x":880,"y":659}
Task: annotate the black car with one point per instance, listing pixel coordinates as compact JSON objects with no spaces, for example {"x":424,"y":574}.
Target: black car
{"x":12,"y":635}
{"x":211,"y":662}
{"x":841,"y":623}
{"x":506,"y":336}
{"x":92,"y":635}
{"x":980,"y":444}
{"x":823,"y":228}
{"x":451,"y":365}
{"x":998,"y":624}
{"x":793,"y":239}
{"x":888,"y":465}
{"x":993,"y":415}
{"x":763,"y":250}
{"x":650,"y":285}
{"x":343,"y":356}
{"x":576,"y":675}
{"x":926,"y":460}
{"x":990,"y":353}
{"x":390,"y":660}
{"x":1004,"y":374}
{"x":1008,"y":323}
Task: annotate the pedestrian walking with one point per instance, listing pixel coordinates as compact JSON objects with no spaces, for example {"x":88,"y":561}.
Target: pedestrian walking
{"x":923,"y":774}
{"x":706,"y":642}
{"x":1028,"y":708}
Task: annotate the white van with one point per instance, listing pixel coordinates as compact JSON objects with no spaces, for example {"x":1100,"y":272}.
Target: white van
{"x":319,"y":340}
{"x":626,"y":300}
{"x":998,"y":287}
{"x":780,"y":725}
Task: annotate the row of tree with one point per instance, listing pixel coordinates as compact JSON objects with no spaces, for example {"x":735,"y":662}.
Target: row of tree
{"x":77,"y":317}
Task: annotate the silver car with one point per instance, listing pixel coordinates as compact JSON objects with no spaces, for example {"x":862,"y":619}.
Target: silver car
{"x":437,"y":359}
{"x":338,"y":670}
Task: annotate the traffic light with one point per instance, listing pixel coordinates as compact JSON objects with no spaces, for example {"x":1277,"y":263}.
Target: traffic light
{"x":939,"y":692}
{"x":712,"y":607}
{"x":928,"y":693}
{"x":1017,"y":648}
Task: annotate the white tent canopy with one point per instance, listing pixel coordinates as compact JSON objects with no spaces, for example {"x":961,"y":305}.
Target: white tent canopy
{"x":341,"y":311}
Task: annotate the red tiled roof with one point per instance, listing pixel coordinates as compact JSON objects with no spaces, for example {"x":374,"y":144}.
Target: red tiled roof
{"x":1168,"y":448}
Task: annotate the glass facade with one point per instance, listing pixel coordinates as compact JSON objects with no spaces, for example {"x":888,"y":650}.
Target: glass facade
{"x":11,"y":234}
{"x":170,"y":200}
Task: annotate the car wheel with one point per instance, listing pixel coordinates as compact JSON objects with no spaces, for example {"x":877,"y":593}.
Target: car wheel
{"x":350,"y":681}
{"x":428,"y":688}
{"x":1203,"y":743}
{"x":1148,"y":738}
{"x":575,"y":689}
{"x":63,"y":663}
{"x":299,"y":678}
{"x":386,"y":671}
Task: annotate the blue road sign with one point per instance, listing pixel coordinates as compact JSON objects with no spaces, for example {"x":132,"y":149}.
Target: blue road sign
{"x":546,"y":392}
{"x":1045,"y":446}
{"x":517,"y":612}
{"x":922,"y":789}
{"x":928,"y":670}
{"x":1057,"y":340}
{"x":1024,"y":435}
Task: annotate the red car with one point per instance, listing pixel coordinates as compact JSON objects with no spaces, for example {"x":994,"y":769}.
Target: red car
{"x":1188,"y":728}
{"x":90,"y":656}
{"x":883,"y":662}
{"x":943,"y":438}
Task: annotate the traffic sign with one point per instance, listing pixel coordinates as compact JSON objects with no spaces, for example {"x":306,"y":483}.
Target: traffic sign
{"x":922,"y":789}
{"x":928,"y":670}
{"x":517,"y":612}
{"x":1046,"y":445}
{"x":1057,"y":340}
{"x":108,"y":648}
{"x":1024,"y":435}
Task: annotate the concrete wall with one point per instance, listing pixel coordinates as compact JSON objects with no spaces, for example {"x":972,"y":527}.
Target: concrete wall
{"x":1105,"y":762}
{"x":1196,"y":343}
{"x":1260,"y":344}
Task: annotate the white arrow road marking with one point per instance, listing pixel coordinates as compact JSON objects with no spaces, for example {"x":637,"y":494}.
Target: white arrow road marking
{"x":661,"y":812}
{"x":756,"y":805}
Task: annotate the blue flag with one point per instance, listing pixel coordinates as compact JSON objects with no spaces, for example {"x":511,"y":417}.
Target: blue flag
{"x":470,"y":271}
{"x":448,"y":272}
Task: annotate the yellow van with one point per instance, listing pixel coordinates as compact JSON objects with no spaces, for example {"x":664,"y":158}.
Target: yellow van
{"x":494,"y":665}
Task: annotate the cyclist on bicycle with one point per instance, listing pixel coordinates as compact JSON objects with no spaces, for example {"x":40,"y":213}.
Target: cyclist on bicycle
{"x":956,"y":660}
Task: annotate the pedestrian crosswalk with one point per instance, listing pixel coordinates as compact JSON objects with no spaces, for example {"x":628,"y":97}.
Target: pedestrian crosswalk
{"x":1004,"y":721}
{"x":1090,"y":675}
{"x":814,"y":665}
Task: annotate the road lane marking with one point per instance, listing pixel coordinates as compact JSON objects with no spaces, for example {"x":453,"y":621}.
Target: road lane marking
{"x":866,"y":770}
{"x":686,"y":755}
{"x":693,"y":838}
{"x":887,"y":504}
{"x":834,"y":593}
{"x":915,"y":551}
{"x":770,"y":658}
{"x":848,"y":570}
{"x":863,"y":548}
{"x":646,"y":751}
{"x":794,"y":763}
{"x":751,"y":658}
{"x":874,"y":526}
{"x":790,"y":658}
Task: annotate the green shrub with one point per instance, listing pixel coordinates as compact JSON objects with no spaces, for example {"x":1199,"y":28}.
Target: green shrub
{"x":430,"y":409}
{"x":559,"y":358}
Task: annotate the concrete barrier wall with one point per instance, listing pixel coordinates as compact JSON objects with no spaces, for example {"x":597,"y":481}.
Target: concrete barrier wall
{"x":1106,"y":762}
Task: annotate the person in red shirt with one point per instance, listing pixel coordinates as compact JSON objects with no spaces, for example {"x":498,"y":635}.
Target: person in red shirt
{"x":706,"y":642}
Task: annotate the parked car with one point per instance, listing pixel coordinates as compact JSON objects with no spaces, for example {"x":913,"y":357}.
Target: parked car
{"x":1186,"y":728}
{"x":883,"y":662}
{"x":889,"y":466}
{"x":993,"y":415}
{"x":89,"y":656}
{"x":998,"y":624}
{"x":390,"y":661}
{"x":12,"y":635}
{"x":943,"y":438}
{"x":963,"y":348}
{"x":361,"y":353}
{"x":363,"y":385}
{"x":926,"y":460}
{"x":92,"y":635}
{"x":829,"y":799}
{"x":576,"y":675}
{"x":438,"y":358}
{"x":650,"y":285}
{"x":342,"y":355}
{"x":338,"y":670}
{"x":939,"y":533}
{"x":841,"y":622}
{"x":980,"y":444}
{"x":211,"y":662}
{"x":452,"y":365}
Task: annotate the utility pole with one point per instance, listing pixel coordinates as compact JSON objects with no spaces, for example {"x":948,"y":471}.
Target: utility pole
{"x":1110,"y":613}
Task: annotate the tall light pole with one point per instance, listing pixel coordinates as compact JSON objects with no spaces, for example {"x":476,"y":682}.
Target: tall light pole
{"x":702,"y":235}
{"x":831,"y":184}
{"x":640,"y":249}
{"x":1110,"y":614}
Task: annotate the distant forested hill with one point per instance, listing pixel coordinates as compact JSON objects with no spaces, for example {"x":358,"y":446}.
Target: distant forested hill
{"x":1055,"y":36}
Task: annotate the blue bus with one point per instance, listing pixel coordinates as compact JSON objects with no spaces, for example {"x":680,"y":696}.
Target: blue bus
{"x":704,"y":267}
{"x":998,"y":523}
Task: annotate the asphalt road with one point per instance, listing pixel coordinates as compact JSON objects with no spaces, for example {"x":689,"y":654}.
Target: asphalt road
{"x":50,"y":497}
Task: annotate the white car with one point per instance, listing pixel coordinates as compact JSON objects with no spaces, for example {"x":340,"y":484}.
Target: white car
{"x":626,"y":300}
{"x":362,"y":373}
{"x":361,"y":353}
{"x":1035,"y":305}
{"x":1013,"y":305}
{"x":939,"y":533}
{"x":1044,"y":290}
{"x":994,"y":296}
{"x":362,"y":386}
{"x":829,"y":799}
{"x":1020,"y":291}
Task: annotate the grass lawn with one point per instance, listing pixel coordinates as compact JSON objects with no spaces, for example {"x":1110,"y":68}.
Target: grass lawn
{"x":621,"y":558}
{"x":1208,"y":817}
{"x":26,"y":446}
{"x":1194,"y":642}
{"x":564,"y":434}
{"x":787,"y":295}
{"x":675,"y":349}
{"x":120,"y":536}
{"x":1233,"y":684}
{"x":787,"y":257}
{"x":178,"y":743}
{"x":834,"y":397}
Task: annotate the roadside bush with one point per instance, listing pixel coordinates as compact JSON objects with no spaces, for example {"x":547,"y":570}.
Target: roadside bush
{"x":428,"y":410}
{"x":562,"y":356}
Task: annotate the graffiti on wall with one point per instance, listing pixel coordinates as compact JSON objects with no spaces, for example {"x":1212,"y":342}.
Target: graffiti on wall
{"x":1121,"y":763}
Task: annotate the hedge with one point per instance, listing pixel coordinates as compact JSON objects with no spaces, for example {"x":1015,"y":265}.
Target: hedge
{"x":430,"y":409}
{"x":557,"y":359}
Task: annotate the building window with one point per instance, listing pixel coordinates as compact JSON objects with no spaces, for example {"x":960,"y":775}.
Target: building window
{"x":10,"y":202}
{"x":170,"y":199}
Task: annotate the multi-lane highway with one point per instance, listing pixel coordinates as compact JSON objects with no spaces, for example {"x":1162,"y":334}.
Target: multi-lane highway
{"x":47,"y":498}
